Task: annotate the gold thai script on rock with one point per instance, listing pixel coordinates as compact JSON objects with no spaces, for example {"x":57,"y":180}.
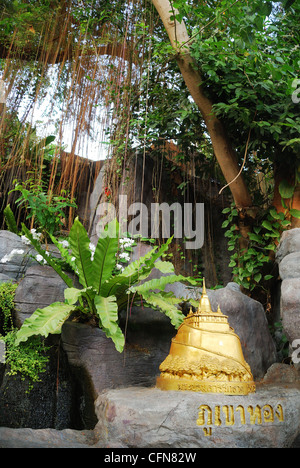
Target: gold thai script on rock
{"x":228,"y":415}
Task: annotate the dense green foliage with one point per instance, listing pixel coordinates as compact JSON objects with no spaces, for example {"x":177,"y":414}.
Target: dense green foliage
{"x":248,"y":56}
{"x":7,"y":295}
{"x":46,"y":210}
{"x":27,"y":359}
{"x":250,"y":79}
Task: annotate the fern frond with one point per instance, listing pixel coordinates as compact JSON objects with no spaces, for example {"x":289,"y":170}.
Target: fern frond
{"x":45,"y":321}
{"x":107,"y":311}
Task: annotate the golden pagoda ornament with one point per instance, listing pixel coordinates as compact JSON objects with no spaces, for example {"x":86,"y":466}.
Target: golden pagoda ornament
{"x":206,"y":356}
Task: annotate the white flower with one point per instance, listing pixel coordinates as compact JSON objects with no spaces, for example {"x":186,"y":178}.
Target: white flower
{"x":125,"y":255}
{"x":25,"y":240}
{"x":5,"y":259}
{"x":64,"y":243}
{"x":17,"y":252}
{"x":92,"y":248}
{"x":40,"y":259}
{"x":8,"y":257}
{"x":120,"y":267}
{"x":126,"y":242}
{"x":35,"y":235}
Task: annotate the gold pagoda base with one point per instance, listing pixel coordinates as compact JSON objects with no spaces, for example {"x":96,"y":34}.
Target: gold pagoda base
{"x":205,"y":386}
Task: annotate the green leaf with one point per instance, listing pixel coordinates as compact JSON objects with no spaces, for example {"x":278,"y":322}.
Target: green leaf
{"x":79,"y":243}
{"x":161,"y":283}
{"x":107,"y":311}
{"x":42,"y":144}
{"x":164,"y":267}
{"x":295,"y":213}
{"x":105,"y":255}
{"x":10,"y":220}
{"x":267,"y":225}
{"x":138,"y":270}
{"x":268,"y":277}
{"x":258,"y":277}
{"x":56,"y":267}
{"x":226,"y":210}
{"x":45,"y":321}
{"x":72,"y":295}
{"x":286,"y":190}
{"x":167,"y":305}
{"x":64,"y":252}
{"x":277,"y":214}
{"x":254,"y":237}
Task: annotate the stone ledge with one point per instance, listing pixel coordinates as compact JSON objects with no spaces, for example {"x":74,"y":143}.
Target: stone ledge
{"x":151,"y":418}
{"x":45,"y":438}
{"x":145,"y":418}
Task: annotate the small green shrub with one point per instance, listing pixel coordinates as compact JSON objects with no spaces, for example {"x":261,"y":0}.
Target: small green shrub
{"x":28,"y":359}
{"x":7,"y":296}
{"x":48,"y":211}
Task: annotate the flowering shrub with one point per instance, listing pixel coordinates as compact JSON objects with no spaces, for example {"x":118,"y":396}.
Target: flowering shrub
{"x":106,"y":288}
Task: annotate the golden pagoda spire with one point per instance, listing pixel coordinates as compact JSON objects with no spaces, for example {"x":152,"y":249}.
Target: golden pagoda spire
{"x":206,"y":355}
{"x":204,"y":304}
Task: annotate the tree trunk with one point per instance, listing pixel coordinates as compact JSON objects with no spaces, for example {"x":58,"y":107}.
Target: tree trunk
{"x":224,"y":153}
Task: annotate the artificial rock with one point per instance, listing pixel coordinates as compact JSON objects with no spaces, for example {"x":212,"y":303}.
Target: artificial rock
{"x":290,"y":306}
{"x":288,"y":259}
{"x":289,"y":267}
{"x":40,"y":287}
{"x":289,"y":243}
{"x":17,"y":266}
{"x":141,"y":417}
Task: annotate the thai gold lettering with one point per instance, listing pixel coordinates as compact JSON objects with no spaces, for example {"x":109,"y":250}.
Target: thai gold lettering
{"x":207,"y":431}
{"x":218,"y":421}
{"x":226,"y":415}
{"x":241,"y":409}
{"x":201,"y":418}
{"x":279,"y":413}
{"x":268,"y":413}
{"x":255,"y":414}
{"x":229,"y":413}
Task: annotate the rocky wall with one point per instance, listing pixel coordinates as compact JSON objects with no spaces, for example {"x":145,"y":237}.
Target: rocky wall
{"x":288,"y":259}
{"x":96,"y":376}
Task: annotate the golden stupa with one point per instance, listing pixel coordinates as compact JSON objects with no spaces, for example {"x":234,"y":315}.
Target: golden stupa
{"x":206,"y":356}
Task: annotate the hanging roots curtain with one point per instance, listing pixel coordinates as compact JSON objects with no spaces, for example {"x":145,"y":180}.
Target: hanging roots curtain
{"x":72,"y":72}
